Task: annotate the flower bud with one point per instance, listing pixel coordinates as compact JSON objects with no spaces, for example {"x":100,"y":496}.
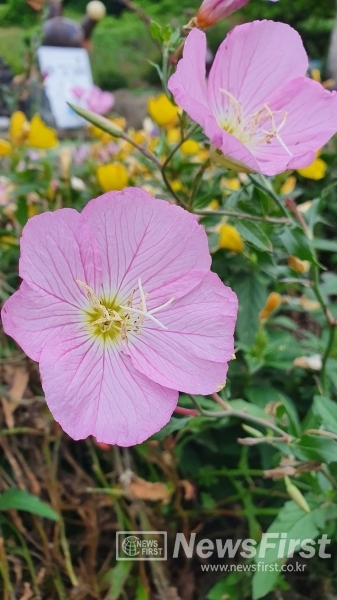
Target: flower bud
{"x":298,"y":265}
{"x":273,"y":302}
{"x":212,"y":11}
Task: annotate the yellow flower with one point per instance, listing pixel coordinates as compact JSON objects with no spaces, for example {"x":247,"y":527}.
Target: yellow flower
{"x":230,"y":239}
{"x":40,"y":135}
{"x":298,"y":265}
{"x":288,"y":185}
{"x":36,"y":134}
{"x":272,"y":303}
{"x":190,"y":147}
{"x":112,"y":176}
{"x":173,"y":135}
{"x":6,"y":241}
{"x":315,"y":171}
{"x":5,"y":148}
{"x":176,"y":185}
{"x":213,"y":205}
{"x":162,"y":111}
{"x":18,"y":128}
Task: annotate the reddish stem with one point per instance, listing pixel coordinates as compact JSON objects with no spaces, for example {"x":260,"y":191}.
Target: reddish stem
{"x":191,"y":412}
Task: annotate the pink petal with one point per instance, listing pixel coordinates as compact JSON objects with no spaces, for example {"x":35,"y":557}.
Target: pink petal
{"x":253,"y":63}
{"x":188,"y":83}
{"x":56,"y":249}
{"x":92,"y":390}
{"x":78,"y":91}
{"x":32,"y":317}
{"x":192,"y":354}
{"x":99,"y":102}
{"x":141,"y":237}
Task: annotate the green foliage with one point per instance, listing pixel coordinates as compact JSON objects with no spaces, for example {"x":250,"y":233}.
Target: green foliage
{"x":21,"y":500}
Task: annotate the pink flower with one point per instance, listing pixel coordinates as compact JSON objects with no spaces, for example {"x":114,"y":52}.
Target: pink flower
{"x":212,"y":11}
{"x":258,"y":108}
{"x":120,"y":308}
{"x":95,"y":99}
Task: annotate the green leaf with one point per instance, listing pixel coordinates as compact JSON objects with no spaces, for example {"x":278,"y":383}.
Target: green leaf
{"x":155,"y":32}
{"x":254,"y":235}
{"x":325,"y":245}
{"x":233,"y":587}
{"x":21,"y":500}
{"x":327,"y":410}
{"x":298,"y":525}
{"x":297,"y":244}
{"x":117,"y":577}
{"x":252,"y":294}
{"x":316,"y":447}
{"x":22,"y":211}
{"x":175,"y":424}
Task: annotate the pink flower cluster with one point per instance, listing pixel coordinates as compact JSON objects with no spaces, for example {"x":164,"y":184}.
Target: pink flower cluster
{"x":120,"y":308}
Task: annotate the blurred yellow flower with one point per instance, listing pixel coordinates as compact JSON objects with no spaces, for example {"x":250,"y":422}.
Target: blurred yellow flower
{"x":18,"y":128}
{"x":40,"y":135}
{"x":273,"y":302}
{"x":230,"y":239}
{"x":213,"y":205}
{"x":5,"y":148}
{"x":173,"y":135}
{"x":289,"y":185}
{"x":8,"y":240}
{"x":162,"y":110}
{"x":298,"y":265}
{"x":176,"y":185}
{"x":36,"y":134}
{"x":112,"y":176}
{"x":190,"y":147}
{"x":315,"y":171}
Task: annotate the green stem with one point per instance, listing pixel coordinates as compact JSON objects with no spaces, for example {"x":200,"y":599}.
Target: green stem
{"x":264,"y":186}
{"x":239,"y":414}
{"x":240,"y":215}
{"x":163,"y":167}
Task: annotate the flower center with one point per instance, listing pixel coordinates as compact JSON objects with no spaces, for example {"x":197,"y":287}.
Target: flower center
{"x":113,"y":321}
{"x":255,"y":129}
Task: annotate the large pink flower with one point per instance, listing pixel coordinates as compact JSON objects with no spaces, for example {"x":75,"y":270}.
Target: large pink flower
{"x":212,"y":11}
{"x":120,"y":308}
{"x":258,"y":108}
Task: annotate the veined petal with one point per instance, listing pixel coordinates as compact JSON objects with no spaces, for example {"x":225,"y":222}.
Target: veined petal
{"x":142,"y":238}
{"x":56,"y":249}
{"x":92,"y":390}
{"x":33,"y":317}
{"x":253,"y":62}
{"x":188,"y":83}
{"x":191,"y":355}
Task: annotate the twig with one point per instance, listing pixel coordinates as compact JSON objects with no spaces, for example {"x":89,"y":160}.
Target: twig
{"x":241,"y":215}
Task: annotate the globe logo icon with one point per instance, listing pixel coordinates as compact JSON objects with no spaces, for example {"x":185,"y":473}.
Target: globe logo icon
{"x":130,"y":545}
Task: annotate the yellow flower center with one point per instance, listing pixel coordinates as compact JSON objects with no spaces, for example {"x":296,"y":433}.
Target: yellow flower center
{"x":251,"y":130}
{"x":112,"y":321}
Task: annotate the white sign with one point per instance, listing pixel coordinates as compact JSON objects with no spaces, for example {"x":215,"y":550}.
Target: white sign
{"x":63,"y":70}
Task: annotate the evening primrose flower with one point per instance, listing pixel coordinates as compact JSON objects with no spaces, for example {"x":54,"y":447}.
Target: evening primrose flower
{"x":212,"y":11}
{"x":162,"y":111}
{"x":119,"y":307}
{"x":113,"y":176}
{"x":258,"y":109}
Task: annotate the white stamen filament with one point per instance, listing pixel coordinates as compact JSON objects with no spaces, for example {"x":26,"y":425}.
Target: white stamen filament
{"x":246,"y":130}
{"x":109,"y":317}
